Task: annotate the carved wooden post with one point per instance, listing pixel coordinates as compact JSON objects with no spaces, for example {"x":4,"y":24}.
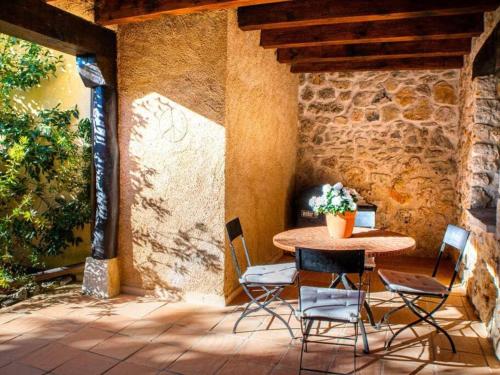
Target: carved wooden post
{"x":101,"y":270}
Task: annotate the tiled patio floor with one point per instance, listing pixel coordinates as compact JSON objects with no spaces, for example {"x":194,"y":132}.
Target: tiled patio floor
{"x":67,"y":333}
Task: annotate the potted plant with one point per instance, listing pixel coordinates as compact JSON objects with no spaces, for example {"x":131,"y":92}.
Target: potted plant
{"x":338,"y":204}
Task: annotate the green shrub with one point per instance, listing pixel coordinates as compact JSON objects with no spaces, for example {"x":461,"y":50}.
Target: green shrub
{"x":44,"y":165}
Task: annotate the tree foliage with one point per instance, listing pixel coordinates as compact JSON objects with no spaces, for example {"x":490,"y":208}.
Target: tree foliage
{"x":44,"y":165}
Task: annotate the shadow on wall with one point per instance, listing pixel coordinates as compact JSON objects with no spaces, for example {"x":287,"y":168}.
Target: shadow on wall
{"x":172,"y":200}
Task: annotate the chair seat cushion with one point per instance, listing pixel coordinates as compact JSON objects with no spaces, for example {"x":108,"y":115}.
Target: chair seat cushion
{"x":412,"y":283}
{"x":271,"y":274}
{"x":328,"y":303}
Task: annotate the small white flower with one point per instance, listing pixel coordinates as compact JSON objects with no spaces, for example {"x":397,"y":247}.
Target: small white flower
{"x":312,"y":203}
{"x":353,"y":206}
{"x":327,"y":188}
{"x":337,"y":201}
{"x":338,"y":186}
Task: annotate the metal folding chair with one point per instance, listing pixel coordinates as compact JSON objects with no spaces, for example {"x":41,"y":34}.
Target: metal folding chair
{"x":326,"y":304}
{"x":263,"y":284}
{"x":412,"y":287}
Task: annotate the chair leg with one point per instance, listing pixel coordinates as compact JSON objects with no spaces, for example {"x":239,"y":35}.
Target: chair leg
{"x":422,"y":318}
{"x":274,"y":294}
{"x":385,"y":317}
{"x":366,"y":348}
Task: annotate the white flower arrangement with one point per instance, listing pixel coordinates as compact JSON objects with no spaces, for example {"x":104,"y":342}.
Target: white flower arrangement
{"x":336,"y":199}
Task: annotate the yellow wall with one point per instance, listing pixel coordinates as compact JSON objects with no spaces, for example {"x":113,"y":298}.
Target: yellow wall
{"x":261,"y":122}
{"x":172,"y":144}
{"x":67,"y":90}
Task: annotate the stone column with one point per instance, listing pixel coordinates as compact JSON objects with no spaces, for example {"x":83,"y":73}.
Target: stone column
{"x":101,"y":277}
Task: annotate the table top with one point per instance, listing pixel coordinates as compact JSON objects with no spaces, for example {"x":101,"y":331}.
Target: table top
{"x":375,"y":242}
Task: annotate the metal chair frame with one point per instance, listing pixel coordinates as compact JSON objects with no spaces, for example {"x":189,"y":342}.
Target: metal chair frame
{"x":455,"y":238}
{"x":336,"y":262}
{"x":366,"y":219}
{"x":268,"y":292}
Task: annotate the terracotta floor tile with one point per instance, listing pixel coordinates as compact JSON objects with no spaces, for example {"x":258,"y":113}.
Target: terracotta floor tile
{"x":85,"y":363}
{"x":184,"y":337}
{"x":118,"y":346}
{"x":112,"y":322}
{"x":138,"y":308}
{"x":127,"y":368}
{"x":145,"y":330}
{"x":157,"y":355}
{"x":20,"y":369}
{"x":245,"y":328}
{"x":85,"y":338}
{"x":55,"y":330}
{"x":262,"y":351}
{"x":19,"y":347}
{"x":318,"y":356}
{"x":406,"y":366}
{"x":50,"y":356}
{"x":233,"y":367}
{"x":208,"y":354}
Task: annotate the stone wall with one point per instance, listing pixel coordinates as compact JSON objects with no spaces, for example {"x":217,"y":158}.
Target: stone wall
{"x":390,"y":135}
{"x":261,"y":118}
{"x":478,"y":168}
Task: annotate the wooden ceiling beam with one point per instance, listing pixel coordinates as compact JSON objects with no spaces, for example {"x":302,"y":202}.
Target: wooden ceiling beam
{"x":110,"y":12}
{"x":425,"y":28}
{"x":320,"y":12}
{"x":375,"y":51}
{"x":389,"y":64}
{"x":54,"y":28}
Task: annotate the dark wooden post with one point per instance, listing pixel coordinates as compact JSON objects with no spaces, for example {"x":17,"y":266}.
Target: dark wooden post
{"x":105,"y":158}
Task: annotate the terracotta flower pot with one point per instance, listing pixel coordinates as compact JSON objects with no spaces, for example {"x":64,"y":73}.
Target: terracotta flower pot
{"x":340,"y":225}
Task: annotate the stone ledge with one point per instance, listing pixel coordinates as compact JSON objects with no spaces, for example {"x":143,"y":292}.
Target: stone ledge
{"x":484,"y":219}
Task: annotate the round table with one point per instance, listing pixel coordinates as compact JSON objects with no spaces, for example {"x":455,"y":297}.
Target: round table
{"x":375,"y":242}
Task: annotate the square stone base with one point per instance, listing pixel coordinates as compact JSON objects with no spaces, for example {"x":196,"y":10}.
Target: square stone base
{"x":101,"y":278}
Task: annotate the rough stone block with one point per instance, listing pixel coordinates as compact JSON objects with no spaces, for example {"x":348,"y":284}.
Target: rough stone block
{"x":487,"y":111}
{"x":101,"y":278}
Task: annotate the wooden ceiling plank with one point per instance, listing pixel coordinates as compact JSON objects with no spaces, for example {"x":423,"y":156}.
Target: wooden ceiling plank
{"x":320,"y":12}
{"x":389,"y":64}
{"x":375,"y":51}
{"x":425,"y":28}
{"x":111,"y":12}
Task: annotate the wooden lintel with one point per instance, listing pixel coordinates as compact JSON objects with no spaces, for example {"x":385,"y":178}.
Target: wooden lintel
{"x":54,"y":28}
{"x":108,"y":12}
{"x":389,"y":64}
{"x":375,"y":51}
{"x":322,"y":12}
{"x":425,"y":28}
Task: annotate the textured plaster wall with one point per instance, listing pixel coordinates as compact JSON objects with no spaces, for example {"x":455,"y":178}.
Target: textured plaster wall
{"x":261,"y":116}
{"x":172,"y":140}
{"x":478,"y":170}
{"x":390,"y":135}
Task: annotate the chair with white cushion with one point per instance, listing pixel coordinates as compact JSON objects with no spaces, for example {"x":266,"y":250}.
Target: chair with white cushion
{"x":324,"y":304}
{"x":263,"y":283}
{"x":412,"y":287}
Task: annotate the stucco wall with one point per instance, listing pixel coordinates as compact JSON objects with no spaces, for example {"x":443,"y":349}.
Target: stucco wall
{"x":479,"y":160}
{"x":261,"y":113}
{"x":390,"y":135}
{"x":172,"y":143}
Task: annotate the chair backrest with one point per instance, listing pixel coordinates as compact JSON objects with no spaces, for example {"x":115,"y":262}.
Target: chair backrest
{"x":455,"y":238}
{"x":234,"y":230}
{"x":338,"y":261}
{"x":365,"y":219}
